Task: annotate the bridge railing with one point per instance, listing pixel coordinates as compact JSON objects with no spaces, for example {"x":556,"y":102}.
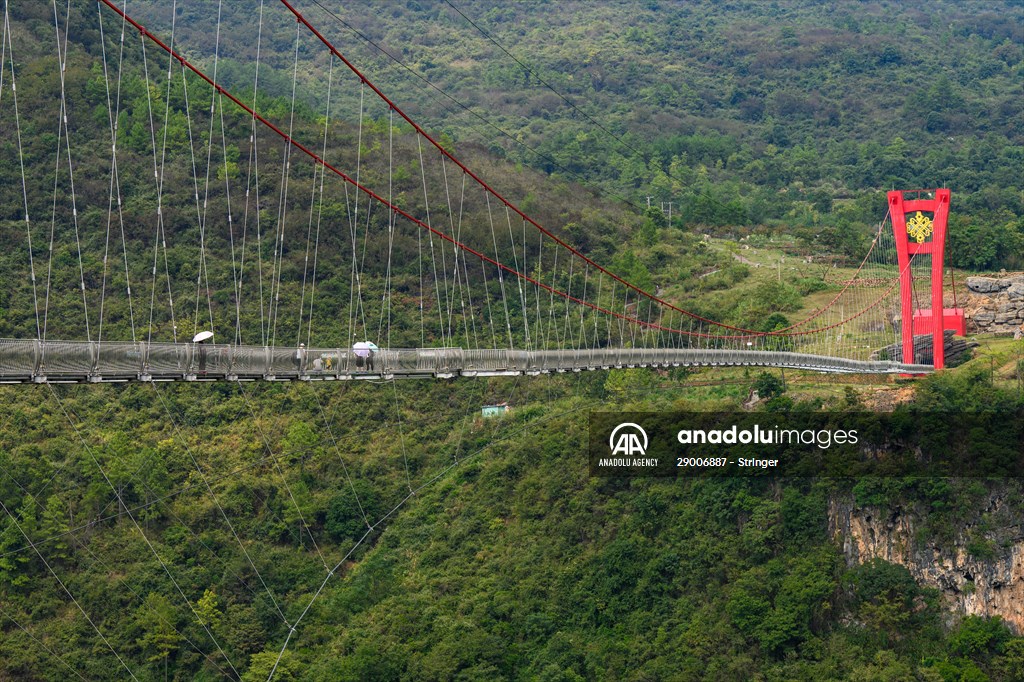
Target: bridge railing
{"x":18,"y":359}
{"x":32,"y":360}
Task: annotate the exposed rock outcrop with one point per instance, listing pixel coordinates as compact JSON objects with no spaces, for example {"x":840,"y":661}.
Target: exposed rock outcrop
{"x":995,"y":304}
{"x":992,"y":585}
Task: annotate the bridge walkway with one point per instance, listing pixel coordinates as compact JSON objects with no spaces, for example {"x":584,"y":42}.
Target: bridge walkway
{"x":30,"y":361}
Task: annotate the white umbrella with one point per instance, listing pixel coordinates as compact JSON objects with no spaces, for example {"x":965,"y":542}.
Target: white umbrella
{"x":363,"y":349}
{"x":202,"y":336}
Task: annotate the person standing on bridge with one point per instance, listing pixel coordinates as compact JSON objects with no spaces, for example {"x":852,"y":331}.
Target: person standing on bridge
{"x":300,"y":358}
{"x":364,"y":352}
{"x":200,"y":340}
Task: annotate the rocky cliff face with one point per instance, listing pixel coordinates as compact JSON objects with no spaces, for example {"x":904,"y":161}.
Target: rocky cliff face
{"x":995,"y":304}
{"x":990,"y":586}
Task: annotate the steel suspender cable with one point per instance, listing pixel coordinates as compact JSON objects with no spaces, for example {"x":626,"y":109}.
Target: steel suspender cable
{"x":113,"y":166}
{"x":541,"y":303}
{"x":251,"y":186}
{"x":568,"y":289}
{"x":501,"y":278}
{"x":205,"y":223}
{"x":64,"y":113}
{"x":430,"y":241}
{"x":449,"y":296}
{"x":280,"y":471}
{"x":113,"y":112}
{"x":456,"y":228}
{"x":156,"y":183}
{"x":337,"y":450}
{"x":391,"y":219}
{"x":519,"y":281}
{"x":551,"y":301}
{"x":216,"y":501}
{"x":463,"y":274}
{"x":319,"y":214}
{"x":444,"y":267}
{"x":487,"y":297}
{"x":8,"y":44}
{"x":370,"y":205}
{"x":354,"y":283}
{"x":282,"y":208}
{"x":160,"y":240}
{"x":235,"y":281}
{"x":65,"y":588}
{"x":508,"y":205}
{"x":199,"y":211}
{"x":320,"y":206}
{"x":631,"y":319}
{"x":583,"y":334}
{"x":42,"y":643}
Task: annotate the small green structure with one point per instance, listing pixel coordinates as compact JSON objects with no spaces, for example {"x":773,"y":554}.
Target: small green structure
{"x":488,"y":411}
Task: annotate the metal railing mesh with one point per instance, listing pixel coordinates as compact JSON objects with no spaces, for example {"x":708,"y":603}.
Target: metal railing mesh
{"x":81,"y":360}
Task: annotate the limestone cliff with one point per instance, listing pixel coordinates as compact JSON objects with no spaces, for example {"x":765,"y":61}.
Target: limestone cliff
{"x":970,"y":585}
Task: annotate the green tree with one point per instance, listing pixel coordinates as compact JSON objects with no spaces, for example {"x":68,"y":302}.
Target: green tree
{"x":623,"y":382}
{"x":207,"y":612}
{"x":349,"y":510}
{"x":54,"y":524}
{"x":628,"y":266}
{"x":261,"y":665}
{"x":15,"y":557}
{"x":768,"y":386}
{"x":157,"y":619}
{"x":978,"y":637}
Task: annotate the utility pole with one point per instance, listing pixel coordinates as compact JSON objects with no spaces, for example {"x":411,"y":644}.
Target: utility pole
{"x":669,"y":209}
{"x":649,"y":197}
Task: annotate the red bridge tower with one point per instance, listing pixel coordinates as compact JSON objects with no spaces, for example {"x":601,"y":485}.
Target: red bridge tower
{"x":920,"y":227}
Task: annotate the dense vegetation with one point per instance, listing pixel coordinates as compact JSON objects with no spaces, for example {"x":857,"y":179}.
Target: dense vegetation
{"x":179,"y":515}
{"x":514,"y":565}
{"x":793,"y":115}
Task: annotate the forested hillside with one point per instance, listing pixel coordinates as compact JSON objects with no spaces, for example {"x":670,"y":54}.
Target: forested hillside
{"x":789,"y":114}
{"x":509,"y":562}
{"x":386,"y":531}
{"x":792,"y":115}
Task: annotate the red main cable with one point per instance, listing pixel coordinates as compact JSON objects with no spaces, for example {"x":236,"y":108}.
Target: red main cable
{"x":779,"y":332}
{"x":376,"y":197}
{"x":370,"y":193}
{"x":491,"y":190}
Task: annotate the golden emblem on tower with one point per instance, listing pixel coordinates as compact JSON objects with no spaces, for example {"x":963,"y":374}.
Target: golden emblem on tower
{"x":919,"y":227}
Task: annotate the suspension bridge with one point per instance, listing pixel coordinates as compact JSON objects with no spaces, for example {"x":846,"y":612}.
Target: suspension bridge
{"x":223,"y":210}
{"x":181,"y":203}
